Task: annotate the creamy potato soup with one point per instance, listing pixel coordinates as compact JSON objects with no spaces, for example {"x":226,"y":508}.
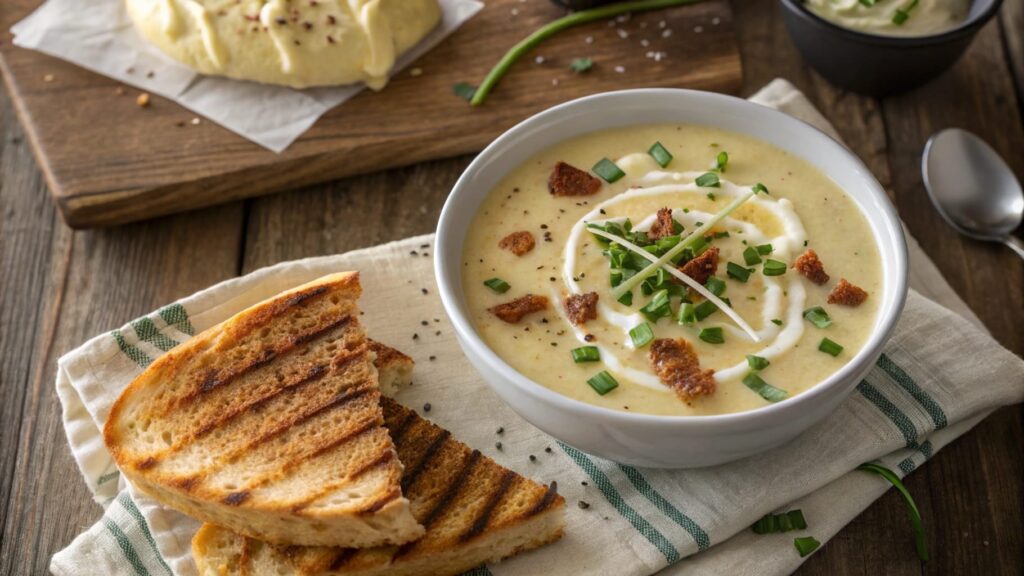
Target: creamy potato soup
{"x":671,"y":270}
{"x":893,"y":17}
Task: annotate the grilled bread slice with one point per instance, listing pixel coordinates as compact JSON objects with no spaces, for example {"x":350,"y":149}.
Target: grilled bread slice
{"x":270,"y":424}
{"x":475,"y":512}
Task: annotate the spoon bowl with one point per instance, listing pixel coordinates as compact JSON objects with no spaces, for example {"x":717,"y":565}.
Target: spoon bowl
{"x":973,"y":188}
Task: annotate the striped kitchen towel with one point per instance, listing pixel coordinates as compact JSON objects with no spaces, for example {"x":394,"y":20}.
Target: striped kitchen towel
{"x":939,"y":376}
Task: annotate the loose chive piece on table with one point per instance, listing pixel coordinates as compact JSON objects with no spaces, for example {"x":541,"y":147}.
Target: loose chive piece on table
{"x":721,"y":161}
{"x":757,"y":362}
{"x":660,"y":154}
{"x":586,"y":354}
{"x":608,"y":170}
{"x":581,"y":65}
{"x":712,"y":335}
{"x":603,"y":382}
{"x":497,"y":284}
{"x":737,"y":272}
{"x":818,"y":317}
{"x":806,"y":545}
{"x":829,"y":347}
{"x":774,"y":268}
{"x":464,"y":91}
{"x":764,"y":389}
{"x":641,"y":335}
{"x":915,"y":515}
{"x":708,"y":180}
{"x":751,"y":256}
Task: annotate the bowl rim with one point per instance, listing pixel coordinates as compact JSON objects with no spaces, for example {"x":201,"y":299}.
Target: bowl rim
{"x":968,"y":27}
{"x":472,"y":342}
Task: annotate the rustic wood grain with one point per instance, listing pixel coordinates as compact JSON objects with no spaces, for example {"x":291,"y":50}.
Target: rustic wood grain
{"x":104,"y":171}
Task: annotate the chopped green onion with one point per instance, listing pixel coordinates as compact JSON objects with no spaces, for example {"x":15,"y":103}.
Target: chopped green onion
{"x":641,"y":335}
{"x":712,"y":335}
{"x":777,"y":321}
{"x":497,"y":284}
{"x":902,"y":14}
{"x":722,"y":234}
{"x":660,"y":154}
{"x":805,"y":545}
{"x":626,"y":299}
{"x":708,"y":180}
{"x":737,"y":272}
{"x":784,"y":522}
{"x":818,"y":317}
{"x":586,"y":354}
{"x":603,"y":383}
{"x":764,"y":389}
{"x":608,"y":170}
{"x":760,"y":188}
{"x":868,"y":3}
{"x":829,"y":347}
{"x":464,"y":91}
{"x":757,"y":362}
{"x":920,"y":541}
{"x":704,"y":309}
{"x":751,"y":256}
{"x":658,"y":307}
{"x":686,"y":315}
{"x":715,"y":285}
{"x":764,"y":249}
{"x":721,"y":160}
{"x":774,"y":268}
{"x":581,"y":65}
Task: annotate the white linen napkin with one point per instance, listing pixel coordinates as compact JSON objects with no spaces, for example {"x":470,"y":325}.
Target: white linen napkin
{"x":101,"y":37}
{"x":923,"y":393}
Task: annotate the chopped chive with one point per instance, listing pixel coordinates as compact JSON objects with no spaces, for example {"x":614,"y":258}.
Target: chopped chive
{"x":805,"y":545}
{"x":767,"y":524}
{"x":641,"y":335}
{"x":464,"y":91}
{"x":764,"y":249}
{"x":920,"y":541}
{"x":686,"y":315}
{"x":608,"y":170}
{"x":777,"y":321}
{"x":722,"y":234}
{"x":658,"y":307}
{"x":774,"y":268}
{"x":818,"y":317}
{"x":712,"y":335}
{"x":760,"y":188}
{"x":603,"y":383}
{"x":757,"y":362}
{"x":708,"y":180}
{"x":737,"y":272}
{"x":868,"y":3}
{"x":660,"y":154}
{"x":497,"y":284}
{"x":784,"y":522}
{"x":796,"y":517}
{"x":704,"y":309}
{"x":902,"y":14}
{"x":586,"y":354}
{"x":581,"y":65}
{"x":829,"y":347}
{"x":721,"y":160}
{"x":626,"y":299}
{"x":751,"y":256}
{"x":764,"y":389}
{"x":715,"y":285}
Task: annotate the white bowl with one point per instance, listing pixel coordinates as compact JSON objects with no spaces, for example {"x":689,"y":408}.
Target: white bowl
{"x":643,"y":439}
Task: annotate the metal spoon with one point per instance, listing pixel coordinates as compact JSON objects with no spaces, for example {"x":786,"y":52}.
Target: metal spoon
{"x":973,"y":188}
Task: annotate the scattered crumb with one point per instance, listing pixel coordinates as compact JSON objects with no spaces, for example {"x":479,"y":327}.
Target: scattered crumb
{"x":119,"y":91}
{"x":620,"y":69}
{"x":48,"y":78}
{"x":416,"y":72}
{"x":583,"y":504}
{"x":698,"y":29}
{"x":539,"y":59}
{"x":666,"y":33}
{"x":150,"y":74}
{"x":195,"y":121}
{"x":589,"y":39}
{"x":142,"y":100}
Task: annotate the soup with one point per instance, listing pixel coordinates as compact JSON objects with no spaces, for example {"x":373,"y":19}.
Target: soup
{"x":893,"y":17}
{"x":691,"y":271}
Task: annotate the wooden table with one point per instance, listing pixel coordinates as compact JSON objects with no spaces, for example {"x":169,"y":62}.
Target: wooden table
{"x":59,"y":287}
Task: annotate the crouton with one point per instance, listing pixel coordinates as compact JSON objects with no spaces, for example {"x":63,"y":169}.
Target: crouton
{"x":514,"y":311}
{"x":702,"y":267}
{"x":581,"y":307}
{"x":678,"y":367}
{"x":847,"y":294}
{"x":663,"y":225}
{"x":518,"y":243}
{"x":567,"y":180}
{"x":811,"y":267}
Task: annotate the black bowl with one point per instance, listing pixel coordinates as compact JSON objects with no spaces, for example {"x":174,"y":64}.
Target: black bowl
{"x":879,"y":65}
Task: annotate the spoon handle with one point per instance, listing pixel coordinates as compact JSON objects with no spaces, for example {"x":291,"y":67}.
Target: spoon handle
{"x":1015,"y":244}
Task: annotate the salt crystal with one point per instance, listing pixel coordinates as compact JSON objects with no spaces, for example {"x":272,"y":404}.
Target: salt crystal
{"x":620,"y":69}
{"x":666,"y":33}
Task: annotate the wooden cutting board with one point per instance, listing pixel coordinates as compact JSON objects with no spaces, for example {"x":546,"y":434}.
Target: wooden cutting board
{"x":109,"y":161}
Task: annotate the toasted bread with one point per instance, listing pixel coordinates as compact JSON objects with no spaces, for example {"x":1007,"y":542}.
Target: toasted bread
{"x":475,"y":512}
{"x":270,"y":424}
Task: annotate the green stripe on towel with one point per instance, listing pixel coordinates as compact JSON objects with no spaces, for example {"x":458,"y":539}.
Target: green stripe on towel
{"x":478,"y":571}
{"x":900,"y":376}
{"x":176,"y":315}
{"x":889,"y":409}
{"x":148,"y":332}
{"x":606,"y":487}
{"x":107,"y":477}
{"x":128,"y":504}
{"x":666,"y":507}
{"x":126,"y":547}
{"x":129,"y":350}
{"x":907,"y":465}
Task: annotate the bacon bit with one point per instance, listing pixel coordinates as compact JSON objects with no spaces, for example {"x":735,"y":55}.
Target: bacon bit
{"x":142,"y":100}
{"x":514,"y":311}
{"x":678,"y":367}
{"x":663,"y":225}
{"x":702,"y":267}
{"x":567,"y":180}
{"x":847,"y":294}
{"x":518,"y":243}
{"x":810,"y":266}
{"x":581,"y":307}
